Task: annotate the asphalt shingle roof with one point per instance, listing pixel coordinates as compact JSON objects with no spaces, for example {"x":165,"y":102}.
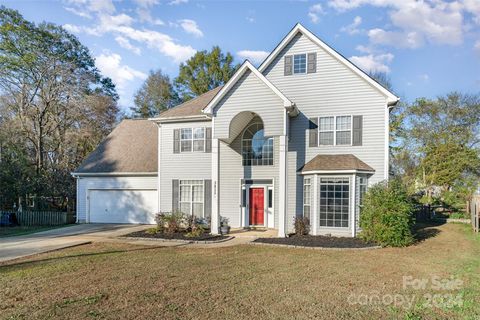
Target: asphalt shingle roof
{"x":332,"y":162}
{"x":131,"y":147}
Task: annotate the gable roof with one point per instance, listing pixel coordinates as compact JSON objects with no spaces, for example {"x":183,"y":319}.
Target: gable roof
{"x":229,"y":85}
{"x":130,"y":148}
{"x":391,"y":98}
{"x":336,"y":162}
{"x":190,"y":108}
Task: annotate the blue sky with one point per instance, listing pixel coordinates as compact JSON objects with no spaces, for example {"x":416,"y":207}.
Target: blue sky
{"x":428,"y":48}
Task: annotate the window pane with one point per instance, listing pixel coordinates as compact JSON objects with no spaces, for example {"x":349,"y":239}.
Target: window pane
{"x":186,"y":145}
{"x":270,"y":198}
{"x":197,"y":193}
{"x":326,"y":124}
{"x":325,"y":138}
{"x":256,"y":148}
{"x":199,"y":133}
{"x":343,"y":137}
{"x":197,"y":209}
{"x":198,"y":145}
{"x":185,"y":207}
{"x":344,"y":123}
{"x":299,"y":63}
{"x":186,"y":134}
{"x":334,"y":205}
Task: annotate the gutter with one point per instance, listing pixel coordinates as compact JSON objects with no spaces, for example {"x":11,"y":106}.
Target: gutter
{"x":202,"y":117}
{"x":111,"y":174}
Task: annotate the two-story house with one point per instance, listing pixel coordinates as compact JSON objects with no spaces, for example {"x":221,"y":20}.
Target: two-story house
{"x":305,"y":133}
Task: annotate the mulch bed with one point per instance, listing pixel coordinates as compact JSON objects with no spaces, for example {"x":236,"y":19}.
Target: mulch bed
{"x":176,"y":236}
{"x":318,"y":241}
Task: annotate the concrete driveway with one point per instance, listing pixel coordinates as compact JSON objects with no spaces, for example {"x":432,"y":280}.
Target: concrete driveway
{"x":21,"y":246}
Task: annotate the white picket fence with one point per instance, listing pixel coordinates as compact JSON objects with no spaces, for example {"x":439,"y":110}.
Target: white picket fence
{"x":474,"y":209}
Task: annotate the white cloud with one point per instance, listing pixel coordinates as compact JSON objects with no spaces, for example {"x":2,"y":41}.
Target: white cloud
{"x":146,"y":3}
{"x":72,"y":28}
{"x":190,"y":26}
{"x":110,"y":65}
{"x":250,"y":19}
{"x":125,"y":43}
{"x":417,"y":22}
{"x":78,"y":12}
{"x":255,"y":57}
{"x":373,"y":63}
{"x":145,"y":16}
{"x":177,"y":2}
{"x":314,"y":12}
{"x":353,"y":27}
{"x":121,"y":25}
{"x":410,"y":40}
{"x":101,"y":6}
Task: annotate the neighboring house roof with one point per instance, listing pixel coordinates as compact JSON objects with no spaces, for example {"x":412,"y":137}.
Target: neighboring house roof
{"x":191,"y":108}
{"x":130,"y":148}
{"x":391,"y":98}
{"x":336,"y":162}
{"x":229,"y":85}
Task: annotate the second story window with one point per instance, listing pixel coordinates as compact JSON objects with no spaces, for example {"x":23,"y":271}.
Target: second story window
{"x":257,"y":150}
{"x":344,"y":130}
{"x":192,"y":139}
{"x":299,"y":63}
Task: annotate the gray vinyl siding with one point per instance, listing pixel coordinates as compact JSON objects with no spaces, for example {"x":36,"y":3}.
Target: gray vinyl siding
{"x":181,"y":166}
{"x":86,"y":183}
{"x":249,"y":94}
{"x":231,"y":173}
{"x":332,"y":90}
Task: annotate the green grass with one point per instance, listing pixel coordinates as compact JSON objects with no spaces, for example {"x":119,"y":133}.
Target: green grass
{"x":121,"y":281}
{"x":24,"y":230}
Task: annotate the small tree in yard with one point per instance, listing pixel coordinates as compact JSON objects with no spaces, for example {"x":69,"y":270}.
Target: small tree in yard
{"x":387,"y":215}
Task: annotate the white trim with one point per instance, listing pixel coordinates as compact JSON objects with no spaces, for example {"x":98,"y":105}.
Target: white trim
{"x":246,"y":65}
{"x":192,"y":139}
{"x":112,"y":174}
{"x":387,"y":143}
{"x":335,"y":131}
{"x":335,"y":172}
{"x":215,"y":219}
{"x":350,"y":213}
{"x":159,"y":156}
{"x":283,"y":181}
{"x":391,"y":98}
{"x":271,"y":211}
{"x":77,"y":204}
{"x":201,"y":117}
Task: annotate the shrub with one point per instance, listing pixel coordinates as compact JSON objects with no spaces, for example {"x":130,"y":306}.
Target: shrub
{"x":387,"y":215}
{"x":170,"y":222}
{"x":151,"y":230}
{"x":302,"y":226}
{"x":196,"y":231}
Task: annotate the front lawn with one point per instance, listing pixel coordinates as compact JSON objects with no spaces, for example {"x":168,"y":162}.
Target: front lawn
{"x":120,"y":281}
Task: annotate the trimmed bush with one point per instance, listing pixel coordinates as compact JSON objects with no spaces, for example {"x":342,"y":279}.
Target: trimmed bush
{"x":170,"y":222}
{"x":302,"y":226}
{"x":387,"y":215}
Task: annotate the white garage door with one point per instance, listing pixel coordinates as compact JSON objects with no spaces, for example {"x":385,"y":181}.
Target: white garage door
{"x":123,"y":206}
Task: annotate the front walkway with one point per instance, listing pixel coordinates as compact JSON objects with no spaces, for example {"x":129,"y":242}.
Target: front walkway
{"x":22,"y":246}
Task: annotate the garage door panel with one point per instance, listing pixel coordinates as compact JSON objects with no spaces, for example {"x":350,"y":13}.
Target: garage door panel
{"x":123,"y":206}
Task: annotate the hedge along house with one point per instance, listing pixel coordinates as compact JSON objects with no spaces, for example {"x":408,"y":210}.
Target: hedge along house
{"x":303,"y":134}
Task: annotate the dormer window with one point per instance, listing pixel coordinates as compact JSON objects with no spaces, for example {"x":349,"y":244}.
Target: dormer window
{"x":299,"y":63}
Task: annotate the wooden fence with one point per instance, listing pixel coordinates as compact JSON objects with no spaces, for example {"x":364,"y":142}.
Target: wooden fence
{"x":473,"y":207}
{"x":42,"y":218}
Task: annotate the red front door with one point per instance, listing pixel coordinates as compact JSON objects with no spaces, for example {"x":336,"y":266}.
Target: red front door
{"x":257,"y":206}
